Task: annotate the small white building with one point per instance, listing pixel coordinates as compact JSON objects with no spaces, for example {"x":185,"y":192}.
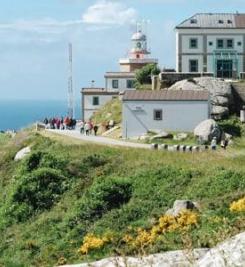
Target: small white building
{"x":93,"y":99}
{"x":163,"y":110}
{"x":118,"y":82}
{"x":212,"y":43}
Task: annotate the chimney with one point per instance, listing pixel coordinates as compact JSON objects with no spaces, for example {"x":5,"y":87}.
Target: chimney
{"x":154,"y":82}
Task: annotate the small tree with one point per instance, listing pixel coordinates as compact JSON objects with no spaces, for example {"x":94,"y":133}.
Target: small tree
{"x":143,"y":76}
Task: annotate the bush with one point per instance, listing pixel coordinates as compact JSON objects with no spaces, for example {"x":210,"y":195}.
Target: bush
{"x":143,"y":76}
{"x":38,"y":191}
{"x":94,"y":161}
{"x":102,"y":197}
{"x":45,"y":160}
{"x":232,"y":126}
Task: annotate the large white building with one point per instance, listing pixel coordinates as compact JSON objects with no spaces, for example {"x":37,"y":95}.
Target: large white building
{"x":212,"y":43}
{"x":117,"y":82}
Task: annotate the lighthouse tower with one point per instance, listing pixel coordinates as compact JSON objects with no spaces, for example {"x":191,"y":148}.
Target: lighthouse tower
{"x":139,"y":54}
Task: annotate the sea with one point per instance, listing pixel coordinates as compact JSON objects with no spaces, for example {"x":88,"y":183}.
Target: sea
{"x":18,"y":114}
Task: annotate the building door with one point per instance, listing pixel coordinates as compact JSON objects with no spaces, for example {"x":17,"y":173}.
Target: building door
{"x":224,"y":68}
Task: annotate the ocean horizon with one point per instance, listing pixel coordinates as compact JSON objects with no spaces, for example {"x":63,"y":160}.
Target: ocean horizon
{"x":18,"y":114}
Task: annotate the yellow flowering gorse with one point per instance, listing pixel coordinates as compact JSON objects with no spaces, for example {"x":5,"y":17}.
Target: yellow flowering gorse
{"x":238,"y":206}
{"x":166,"y":223}
{"x":92,"y":242}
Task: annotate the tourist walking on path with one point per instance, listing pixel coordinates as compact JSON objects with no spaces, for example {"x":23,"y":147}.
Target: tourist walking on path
{"x":87,"y":128}
{"x":82,"y":127}
{"x":95,"y":129}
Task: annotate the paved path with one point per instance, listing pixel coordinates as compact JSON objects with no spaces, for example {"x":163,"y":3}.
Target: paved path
{"x":99,"y":139}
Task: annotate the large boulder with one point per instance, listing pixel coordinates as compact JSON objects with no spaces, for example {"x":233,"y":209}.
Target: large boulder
{"x":220,"y":93}
{"x":227,"y":254}
{"x":180,"y":205}
{"x":22,"y":153}
{"x":207,"y":130}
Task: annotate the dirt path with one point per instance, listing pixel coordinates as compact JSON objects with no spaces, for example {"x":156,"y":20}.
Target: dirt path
{"x":99,"y":139}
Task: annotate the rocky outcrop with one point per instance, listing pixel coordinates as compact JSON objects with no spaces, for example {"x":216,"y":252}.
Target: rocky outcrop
{"x":227,"y":254}
{"x":220,"y":93}
{"x":207,"y":130}
{"x":180,"y":205}
{"x":180,"y":136}
{"x":22,"y":153}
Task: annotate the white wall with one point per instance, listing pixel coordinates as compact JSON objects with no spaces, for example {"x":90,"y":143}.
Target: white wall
{"x":122,"y":84}
{"x":177,"y":116}
{"x":212,"y":36}
{"x":89,"y":108}
{"x":186,"y":59}
{"x":186,"y":44}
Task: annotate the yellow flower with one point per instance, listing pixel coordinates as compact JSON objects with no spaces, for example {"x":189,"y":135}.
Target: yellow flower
{"x":90,"y":241}
{"x":127,"y":238}
{"x":238,"y":206}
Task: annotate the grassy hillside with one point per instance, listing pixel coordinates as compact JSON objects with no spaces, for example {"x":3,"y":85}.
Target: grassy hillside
{"x":69,"y":198}
{"x":111,"y":111}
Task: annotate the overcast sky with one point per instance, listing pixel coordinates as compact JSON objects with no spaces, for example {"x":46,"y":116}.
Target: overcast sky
{"x":34,"y":37}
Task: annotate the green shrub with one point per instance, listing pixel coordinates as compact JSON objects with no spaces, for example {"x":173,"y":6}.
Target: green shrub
{"x":94,"y":161}
{"x":143,"y":76}
{"x":102,"y":197}
{"x":38,"y":190}
{"x":39,"y":159}
{"x":232,"y":126}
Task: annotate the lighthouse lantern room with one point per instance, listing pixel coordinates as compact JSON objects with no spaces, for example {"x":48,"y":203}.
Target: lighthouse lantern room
{"x":139,"y":54}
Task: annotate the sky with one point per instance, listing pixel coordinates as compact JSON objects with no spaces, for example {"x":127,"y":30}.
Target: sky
{"x":34,"y":37}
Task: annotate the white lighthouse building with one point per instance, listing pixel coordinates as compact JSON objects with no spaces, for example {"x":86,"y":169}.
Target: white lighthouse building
{"x":118,"y":82}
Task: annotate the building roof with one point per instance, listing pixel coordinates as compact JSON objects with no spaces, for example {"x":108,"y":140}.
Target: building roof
{"x":97,"y":91}
{"x":120,"y":75}
{"x":214,"y":21}
{"x":166,"y":95}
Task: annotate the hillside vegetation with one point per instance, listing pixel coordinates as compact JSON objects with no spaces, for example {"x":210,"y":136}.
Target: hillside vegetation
{"x":110,"y":111}
{"x":68,"y":201}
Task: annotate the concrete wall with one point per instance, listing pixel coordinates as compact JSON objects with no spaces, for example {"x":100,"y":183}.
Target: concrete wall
{"x":177,"y":116}
{"x":122,"y":84}
{"x":89,"y":108}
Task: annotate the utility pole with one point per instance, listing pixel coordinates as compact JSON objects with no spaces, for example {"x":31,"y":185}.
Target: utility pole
{"x":71,"y":104}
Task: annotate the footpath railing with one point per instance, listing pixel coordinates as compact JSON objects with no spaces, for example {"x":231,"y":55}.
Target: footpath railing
{"x":179,"y":148}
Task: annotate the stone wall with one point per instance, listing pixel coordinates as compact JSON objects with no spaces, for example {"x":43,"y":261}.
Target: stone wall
{"x":169,"y":78}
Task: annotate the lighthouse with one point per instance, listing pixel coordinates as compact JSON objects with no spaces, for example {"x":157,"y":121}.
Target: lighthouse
{"x":139,"y":54}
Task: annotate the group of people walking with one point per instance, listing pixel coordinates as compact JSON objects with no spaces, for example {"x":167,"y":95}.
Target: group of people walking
{"x":56,"y":123}
{"x":60,"y":123}
{"x":88,"y":128}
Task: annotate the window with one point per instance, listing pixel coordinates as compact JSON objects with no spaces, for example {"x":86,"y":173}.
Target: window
{"x":130,"y":84}
{"x":115,"y":84}
{"x":193,"y":65}
{"x":221,"y":21}
{"x":157,"y":114}
{"x":193,"y":21}
{"x":210,"y":43}
{"x":229,"y":21}
{"x":220,"y":43}
{"x":96,"y":101}
{"x":229,"y":43}
{"x":193,"y":43}
{"x":239,"y":43}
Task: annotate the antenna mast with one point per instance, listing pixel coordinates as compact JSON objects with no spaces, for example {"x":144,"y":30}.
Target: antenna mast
{"x":71,"y":107}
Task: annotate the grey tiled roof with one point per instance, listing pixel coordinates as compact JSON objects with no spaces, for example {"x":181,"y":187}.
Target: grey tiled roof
{"x":166,"y":95}
{"x":214,"y":20}
{"x":98,"y":91}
